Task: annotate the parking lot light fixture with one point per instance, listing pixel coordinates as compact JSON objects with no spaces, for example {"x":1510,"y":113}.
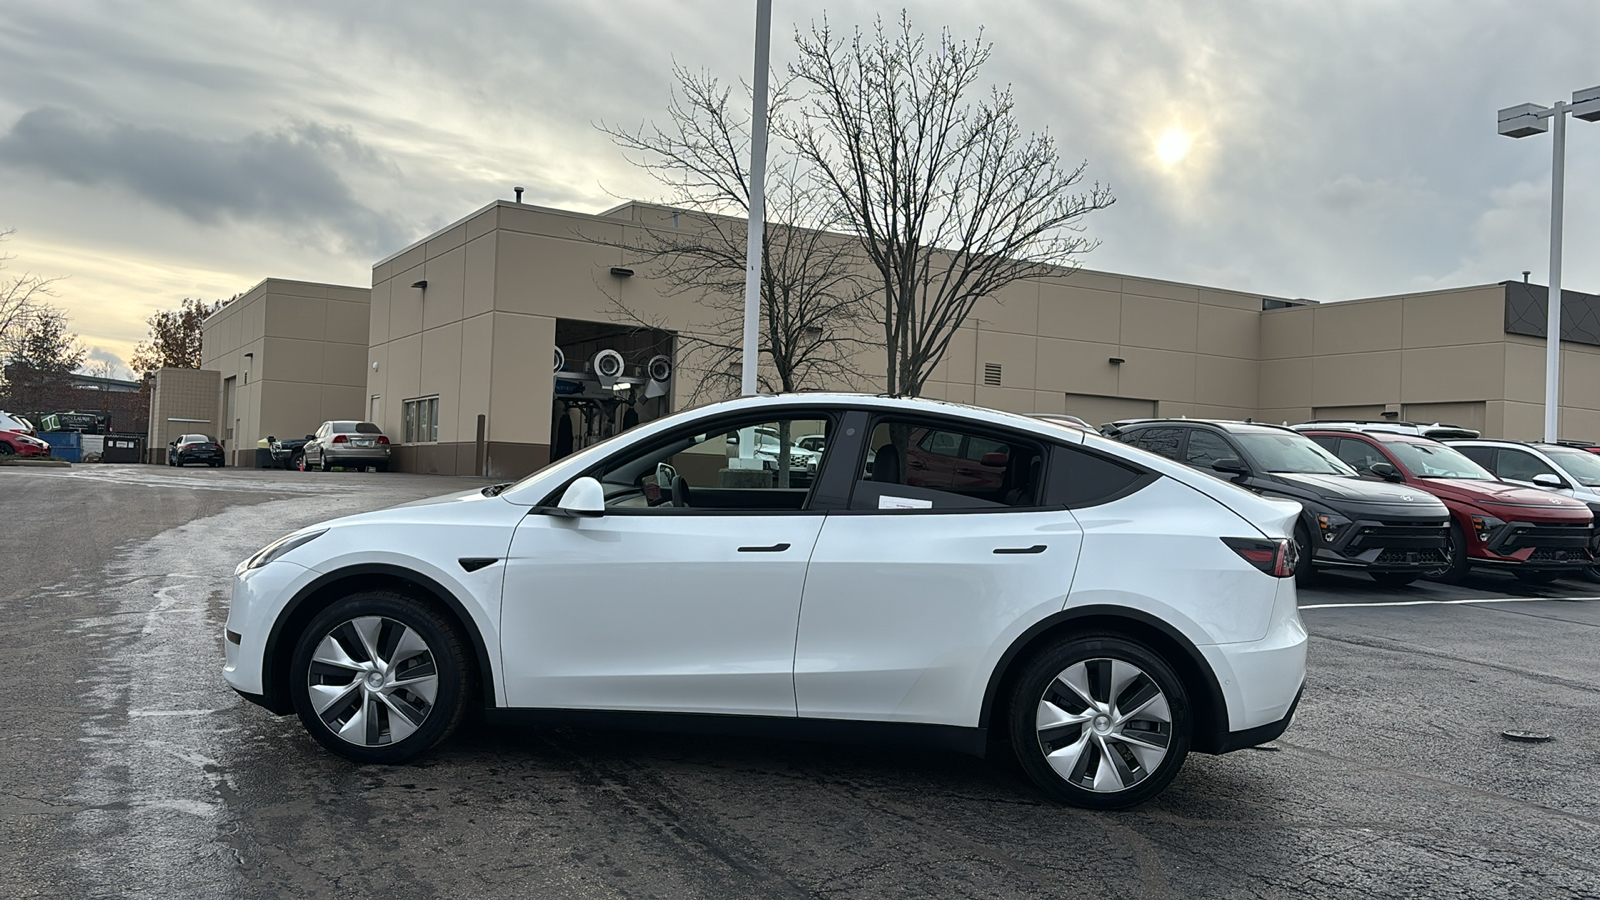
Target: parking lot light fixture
{"x":1519,"y":122}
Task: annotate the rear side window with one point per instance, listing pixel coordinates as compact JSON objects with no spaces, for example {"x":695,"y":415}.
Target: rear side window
{"x":1520,"y":465}
{"x":1163,"y":440}
{"x":1079,"y":478}
{"x":912,"y":466}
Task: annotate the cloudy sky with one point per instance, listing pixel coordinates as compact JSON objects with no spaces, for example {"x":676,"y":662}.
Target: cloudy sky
{"x":152,"y":151}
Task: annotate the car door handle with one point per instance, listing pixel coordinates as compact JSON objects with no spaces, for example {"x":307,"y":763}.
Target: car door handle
{"x":1036,"y":548}
{"x":775,"y":548}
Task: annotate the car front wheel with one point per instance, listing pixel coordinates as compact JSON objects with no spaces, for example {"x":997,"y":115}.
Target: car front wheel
{"x":379,"y":677}
{"x":1100,"y":721}
{"x":1456,"y":563}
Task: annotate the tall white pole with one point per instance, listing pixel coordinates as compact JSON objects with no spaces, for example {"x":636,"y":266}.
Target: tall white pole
{"x":1552,"y":359}
{"x":758,"y":201}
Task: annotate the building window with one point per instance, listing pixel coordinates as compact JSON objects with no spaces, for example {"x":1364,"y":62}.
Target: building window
{"x":421,"y":419}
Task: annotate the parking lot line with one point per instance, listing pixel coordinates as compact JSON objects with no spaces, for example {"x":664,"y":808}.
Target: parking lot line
{"x":1440,"y":602}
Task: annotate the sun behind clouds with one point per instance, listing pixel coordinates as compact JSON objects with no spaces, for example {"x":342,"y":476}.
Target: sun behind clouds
{"x":1173,"y":145}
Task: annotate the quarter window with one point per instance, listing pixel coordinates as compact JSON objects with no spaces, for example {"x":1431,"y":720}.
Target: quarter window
{"x":1162,"y":440}
{"x":420,"y":420}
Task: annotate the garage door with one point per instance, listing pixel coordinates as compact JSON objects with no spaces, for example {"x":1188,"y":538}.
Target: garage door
{"x":1098,"y":410}
{"x":1467,"y":415}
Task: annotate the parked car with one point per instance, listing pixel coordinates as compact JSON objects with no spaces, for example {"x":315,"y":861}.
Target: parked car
{"x":348,"y":444}
{"x":189,"y":449}
{"x":9,"y":422}
{"x":1568,"y":471}
{"x":286,"y":454}
{"x":1438,"y":431}
{"x":16,"y":443}
{"x":1538,"y":536}
{"x":1119,"y":611}
{"x":1391,"y":532}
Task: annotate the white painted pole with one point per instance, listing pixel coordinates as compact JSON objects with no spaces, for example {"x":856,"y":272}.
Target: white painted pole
{"x":1552,"y":359}
{"x":758,"y":201}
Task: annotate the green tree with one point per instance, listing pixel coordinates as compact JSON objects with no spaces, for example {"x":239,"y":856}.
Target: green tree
{"x":174,"y":338}
{"x":46,"y":355}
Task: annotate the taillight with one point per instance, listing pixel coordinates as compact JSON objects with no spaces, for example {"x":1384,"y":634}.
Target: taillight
{"x":340,"y":439}
{"x":382,"y":439}
{"x":1276,"y":558}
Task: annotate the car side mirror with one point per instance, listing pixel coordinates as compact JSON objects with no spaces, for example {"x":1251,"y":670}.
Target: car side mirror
{"x":994,"y":460}
{"x":271,"y":439}
{"x":311,"y":437}
{"x":1386,"y":471}
{"x":1548,"y":480}
{"x":1231,"y":465}
{"x":583,"y":498}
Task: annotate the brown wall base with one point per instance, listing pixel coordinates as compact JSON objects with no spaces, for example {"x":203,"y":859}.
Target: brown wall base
{"x":506,"y":460}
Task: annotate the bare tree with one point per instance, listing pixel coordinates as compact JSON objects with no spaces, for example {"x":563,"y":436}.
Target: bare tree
{"x":99,"y":368}
{"x":948,"y":198}
{"x":46,"y":356}
{"x":811,"y":309}
{"x":23,"y":298}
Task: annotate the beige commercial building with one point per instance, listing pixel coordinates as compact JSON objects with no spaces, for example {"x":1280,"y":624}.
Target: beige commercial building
{"x":288,"y":355}
{"x":182,"y":401}
{"x":452,"y":356}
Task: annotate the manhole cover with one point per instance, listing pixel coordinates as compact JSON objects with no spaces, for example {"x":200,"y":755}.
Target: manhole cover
{"x":1526,"y":737}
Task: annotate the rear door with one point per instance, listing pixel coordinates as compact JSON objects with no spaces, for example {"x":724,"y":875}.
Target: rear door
{"x":914,"y":586}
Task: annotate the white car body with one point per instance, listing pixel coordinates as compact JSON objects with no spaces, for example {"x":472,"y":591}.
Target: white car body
{"x":867,"y":617}
{"x":1574,"y":487}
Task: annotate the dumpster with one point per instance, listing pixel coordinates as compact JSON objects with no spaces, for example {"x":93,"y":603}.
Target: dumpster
{"x":121,"y":449}
{"x":67,"y":445}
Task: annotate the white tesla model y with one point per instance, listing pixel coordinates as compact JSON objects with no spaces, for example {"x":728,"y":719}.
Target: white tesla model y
{"x":951,"y":576}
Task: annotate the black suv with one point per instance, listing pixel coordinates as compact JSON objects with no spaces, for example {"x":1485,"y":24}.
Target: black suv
{"x":1396,"y":534}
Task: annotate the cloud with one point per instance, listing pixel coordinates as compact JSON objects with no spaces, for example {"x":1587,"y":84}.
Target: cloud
{"x":291,"y":176}
{"x":99,"y":354}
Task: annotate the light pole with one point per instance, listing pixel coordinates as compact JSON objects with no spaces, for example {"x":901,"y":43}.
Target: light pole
{"x":758,"y":206}
{"x":1519,"y":122}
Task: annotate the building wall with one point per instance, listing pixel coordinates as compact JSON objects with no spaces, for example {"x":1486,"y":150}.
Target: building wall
{"x":183,"y":401}
{"x":307,"y":353}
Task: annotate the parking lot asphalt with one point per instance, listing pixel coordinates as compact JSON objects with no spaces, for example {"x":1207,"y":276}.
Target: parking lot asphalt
{"x":127,"y":768}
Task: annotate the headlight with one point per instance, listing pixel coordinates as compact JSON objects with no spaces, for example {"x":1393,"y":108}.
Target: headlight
{"x":278,"y":548}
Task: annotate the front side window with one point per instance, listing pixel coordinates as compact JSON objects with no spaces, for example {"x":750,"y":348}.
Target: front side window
{"x":754,"y":466}
{"x":1520,"y":465}
{"x":1359,"y":454}
{"x":911,"y":466}
{"x":1580,"y":464}
{"x":1206,"y":448}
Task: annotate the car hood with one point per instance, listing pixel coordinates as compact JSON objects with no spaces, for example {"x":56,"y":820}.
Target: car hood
{"x":1490,"y":494}
{"x":1360,"y":495}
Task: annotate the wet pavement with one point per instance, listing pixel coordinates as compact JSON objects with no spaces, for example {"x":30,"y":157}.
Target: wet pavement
{"x":128,"y":769}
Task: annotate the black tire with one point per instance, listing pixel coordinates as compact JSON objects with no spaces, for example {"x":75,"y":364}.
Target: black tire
{"x":1592,"y":573}
{"x":1538,"y":576}
{"x":1395,"y":579}
{"x":322,"y":463}
{"x":1039,"y":679}
{"x":1458,"y":562}
{"x":1305,"y":571}
{"x":450,"y":668}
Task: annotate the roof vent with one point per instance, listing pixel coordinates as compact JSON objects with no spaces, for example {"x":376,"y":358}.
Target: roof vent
{"x":991,"y":374}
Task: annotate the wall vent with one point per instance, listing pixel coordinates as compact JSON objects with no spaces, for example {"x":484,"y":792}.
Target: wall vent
{"x":991,"y":374}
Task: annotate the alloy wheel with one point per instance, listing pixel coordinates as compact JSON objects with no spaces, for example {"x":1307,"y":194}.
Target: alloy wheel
{"x":373,"y":681}
{"x":1104,"y":725}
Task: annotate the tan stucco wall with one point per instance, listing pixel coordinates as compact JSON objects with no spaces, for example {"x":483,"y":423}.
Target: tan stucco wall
{"x":308,"y":346}
{"x":182,"y":401}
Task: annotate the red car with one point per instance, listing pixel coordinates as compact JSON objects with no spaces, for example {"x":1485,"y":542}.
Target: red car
{"x":15,"y":443}
{"x":1536,"y":534}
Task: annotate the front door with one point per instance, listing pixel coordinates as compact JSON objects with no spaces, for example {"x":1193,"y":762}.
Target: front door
{"x":682,"y":597}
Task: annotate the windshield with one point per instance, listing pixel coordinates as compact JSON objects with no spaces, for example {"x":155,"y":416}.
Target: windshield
{"x":1582,"y":465}
{"x":1292,"y":453}
{"x":1436,"y":461}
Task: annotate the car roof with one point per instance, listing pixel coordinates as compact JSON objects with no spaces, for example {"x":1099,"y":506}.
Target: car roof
{"x":1395,"y":437}
{"x":1232,"y":426}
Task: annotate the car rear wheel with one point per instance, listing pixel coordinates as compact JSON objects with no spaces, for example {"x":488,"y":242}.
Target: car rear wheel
{"x":1100,"y":721}
{"x":379,"y":677}
{"x":1304,"y":570}
{"x":322,"y":463}
{"x":1457,"y":562}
